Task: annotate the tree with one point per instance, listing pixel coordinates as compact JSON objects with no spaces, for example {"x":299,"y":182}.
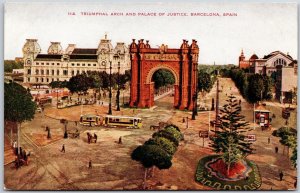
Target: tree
{"x":9,"y":65}
{"x":294,"y":156}
{"x":18,"y":105}
{"x":151,"y":155}
{"x":163,"y":77}
{"x":79,"y":83}
{"x":287,"y":135}
{"x":230,"y":139}
{"x":163,"y":143}
{"x":255,"y":88}
{"x":204,"y":81}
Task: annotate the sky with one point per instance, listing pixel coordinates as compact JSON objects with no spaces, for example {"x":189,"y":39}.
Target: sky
{"x":258,"y":28}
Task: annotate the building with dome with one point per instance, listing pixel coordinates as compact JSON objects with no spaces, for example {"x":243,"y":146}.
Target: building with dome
{"x":282,"y":66}
{"x":59,"y":65}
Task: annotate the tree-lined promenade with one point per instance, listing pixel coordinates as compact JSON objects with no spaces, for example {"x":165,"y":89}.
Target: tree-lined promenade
{"x":93,"y":165}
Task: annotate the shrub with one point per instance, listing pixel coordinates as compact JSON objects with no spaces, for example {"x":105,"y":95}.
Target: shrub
{"x":167,"y":135}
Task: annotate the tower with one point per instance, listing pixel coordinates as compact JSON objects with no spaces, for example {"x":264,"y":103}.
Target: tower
{"x":30,"y":50}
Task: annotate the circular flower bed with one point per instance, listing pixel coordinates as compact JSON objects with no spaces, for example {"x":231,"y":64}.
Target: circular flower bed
{"x":212,"y":172}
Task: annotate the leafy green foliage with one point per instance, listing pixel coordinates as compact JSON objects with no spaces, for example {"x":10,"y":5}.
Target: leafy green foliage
{"x":152,"y":155}
{"x":230,"y":138}
{"x":9,"y":65}
{"x":162,"y":77}
{"x":158,"y":151}
{"x":163,"y":143}
{"x":18,"y":104}
{"x":205,"y":81}
{"x":58,"y":84}
{"x":294,"y":156}
{"x":175,"y":131}
{"x":253,"y":87}
{"x":167,"y":135}
{"x":79,"y":83}
{"x":288,"y":137}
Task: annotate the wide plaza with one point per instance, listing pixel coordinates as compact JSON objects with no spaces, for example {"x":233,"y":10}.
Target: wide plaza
{"x":112,"y":166}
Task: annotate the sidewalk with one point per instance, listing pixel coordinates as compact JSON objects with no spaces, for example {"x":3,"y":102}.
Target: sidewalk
{"x":9,"y":155}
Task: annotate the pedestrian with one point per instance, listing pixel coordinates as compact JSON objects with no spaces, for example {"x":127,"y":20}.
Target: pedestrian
{"x":90,"y":163}
{"x":295,"y":183}
{"x":76,"y":123}
{"x":63,"y":148}
{"x":95,"y":136}
{"x":281,"y":175}
{"x":120,"y":140}
{"x":102,"y":103}
{"x":276,"y":149}
{"x":15,"y":146}
{"x":269,"y":140}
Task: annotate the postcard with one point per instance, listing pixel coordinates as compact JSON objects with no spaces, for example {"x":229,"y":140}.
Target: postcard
{"x":150,"y":96}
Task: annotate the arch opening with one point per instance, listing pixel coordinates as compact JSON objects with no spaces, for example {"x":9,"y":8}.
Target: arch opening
{"x":162,"y":81}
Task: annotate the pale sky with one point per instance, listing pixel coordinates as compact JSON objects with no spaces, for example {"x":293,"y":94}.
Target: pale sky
{"x":258,"y":28}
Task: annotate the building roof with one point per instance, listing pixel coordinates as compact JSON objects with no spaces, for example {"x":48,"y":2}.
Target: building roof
{"x":84,"y":51}
{"x":261,"y":108}
{"x":254,"y":57}
{"x":83,"y":57}
{"x":49,"y":56}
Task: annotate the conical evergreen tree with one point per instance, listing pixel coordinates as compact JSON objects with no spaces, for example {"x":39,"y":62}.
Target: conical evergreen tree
{"x":230,"y":139}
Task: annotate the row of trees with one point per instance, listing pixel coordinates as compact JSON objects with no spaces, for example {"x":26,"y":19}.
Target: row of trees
{"x":253,"y":87}
{"x":158,"y":150}
{"x":93,"y":79}
{"x":288,"y":138}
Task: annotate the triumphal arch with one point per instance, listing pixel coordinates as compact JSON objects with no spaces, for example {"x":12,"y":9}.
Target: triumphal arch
{"x":182,"y":62}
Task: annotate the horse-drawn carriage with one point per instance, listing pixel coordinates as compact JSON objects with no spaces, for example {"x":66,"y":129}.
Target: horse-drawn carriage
{"x":160,"y":126}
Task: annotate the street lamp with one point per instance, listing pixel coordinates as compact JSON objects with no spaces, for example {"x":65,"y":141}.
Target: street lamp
{"x":217,"y":101}
{"x":110,"y":95}
{"x":118,"y":92}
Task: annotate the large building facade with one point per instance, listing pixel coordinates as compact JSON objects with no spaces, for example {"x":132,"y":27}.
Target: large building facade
{"x":60,"y":65}
{"x":283,"y":66}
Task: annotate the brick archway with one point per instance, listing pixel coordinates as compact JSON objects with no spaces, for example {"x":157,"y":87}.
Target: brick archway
{"x":181,"y":62}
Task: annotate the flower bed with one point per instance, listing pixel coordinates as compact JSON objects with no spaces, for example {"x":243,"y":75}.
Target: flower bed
{"x":212,"y":172}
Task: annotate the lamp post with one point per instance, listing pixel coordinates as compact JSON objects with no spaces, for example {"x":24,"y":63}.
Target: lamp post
{"x":110,"y":95}
{"x":195,"y":97}
{"x":217,"y":101}
{"x":118,"y":92}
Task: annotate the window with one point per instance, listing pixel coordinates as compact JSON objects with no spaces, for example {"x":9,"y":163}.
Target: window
{"x":94,"y":64}
{"x":47,"y":63}
{"x":65,"y":72}
{"x":28,"y":79}
{"x":37,"y":63}
{"x":57,"y":72}
{"x":57,"y":64}
{"x":73,"y":64}
{"x":52,"y":79}
{"x":42,"y":72}
{"x":77,"y":71}
{"x":47,"y":72}
{"x":89,"y":64}
{"x":42,"y":79}
{"x":83,"y":64}
{"x":57,"y":79}
{"x":36,"y":71}
{"x":28,"y":71}
{"x":78,"y":64}
{"x":52,"y":72}
{"x":53,"y":64}
{"x":42,"y":63}
{"x":280,"y":61}
{"x":73,"y":72}
{"x":47,"y":79}
{"x":36,"y":79}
